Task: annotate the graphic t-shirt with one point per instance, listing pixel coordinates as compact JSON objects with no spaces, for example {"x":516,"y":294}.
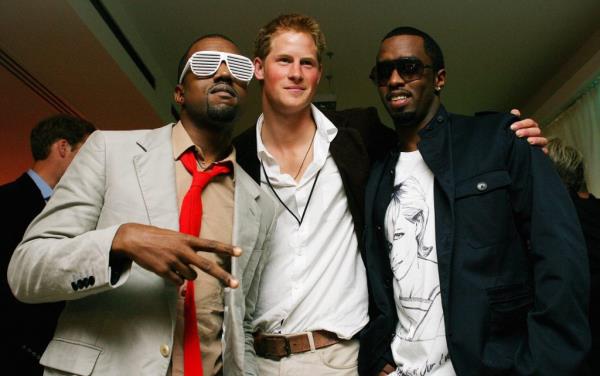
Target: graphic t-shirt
{"x":419,"y":345}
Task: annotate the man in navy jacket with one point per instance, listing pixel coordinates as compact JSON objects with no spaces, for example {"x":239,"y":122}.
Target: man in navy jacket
{"x":475,"y":260}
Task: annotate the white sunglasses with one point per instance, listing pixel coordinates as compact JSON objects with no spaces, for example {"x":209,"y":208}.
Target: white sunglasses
{"x":206,"y":63}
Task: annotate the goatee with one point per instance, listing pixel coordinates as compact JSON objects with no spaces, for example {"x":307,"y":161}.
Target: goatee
{"x":221,"y":113}
{"x":404,"y":119}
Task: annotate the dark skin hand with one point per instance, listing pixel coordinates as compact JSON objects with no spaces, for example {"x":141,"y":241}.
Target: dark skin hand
{"x":171,"y":254}
{"x":387,"y":369}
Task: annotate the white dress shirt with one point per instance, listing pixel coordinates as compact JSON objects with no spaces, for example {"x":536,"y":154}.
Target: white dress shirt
{"x":315,"y":278}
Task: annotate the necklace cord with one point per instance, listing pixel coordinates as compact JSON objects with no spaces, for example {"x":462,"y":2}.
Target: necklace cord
{"x":301,"y":219}
{"x":306,"y":154}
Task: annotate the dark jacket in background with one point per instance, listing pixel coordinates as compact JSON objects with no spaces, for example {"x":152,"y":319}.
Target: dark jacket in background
{"x":27,"y":329}
{"x":588,"y":211}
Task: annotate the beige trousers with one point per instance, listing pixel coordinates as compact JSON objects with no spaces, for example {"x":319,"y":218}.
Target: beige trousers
{"x":340,"y":359}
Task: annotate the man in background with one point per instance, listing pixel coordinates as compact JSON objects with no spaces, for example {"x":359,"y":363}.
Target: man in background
{"x":570,"y":166}
{"x":54,"y":142}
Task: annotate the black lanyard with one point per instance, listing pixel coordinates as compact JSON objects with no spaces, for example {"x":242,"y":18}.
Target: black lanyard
{"x":282,"y":203}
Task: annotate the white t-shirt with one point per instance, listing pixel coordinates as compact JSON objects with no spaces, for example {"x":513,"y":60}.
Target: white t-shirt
{"x":419,"y":345}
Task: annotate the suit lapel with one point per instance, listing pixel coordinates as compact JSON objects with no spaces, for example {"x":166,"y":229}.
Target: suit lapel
{"x":381,"y":186}
{"x":436,"y":149}
{"x":156,"y":176}
{"x":246,"y":219}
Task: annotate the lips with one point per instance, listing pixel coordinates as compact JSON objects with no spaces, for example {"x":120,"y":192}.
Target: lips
{"x":398,"y":98}
{"x":295,"y":89}
{"x":223,"y":88}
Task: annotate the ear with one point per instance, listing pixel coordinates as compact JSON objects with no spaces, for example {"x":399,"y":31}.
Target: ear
{"x":320,"y":73}
{"x":259,"y":69}
{"x":62,"y":147}
{"x":440,"y":78}
{"x":178,"y":94}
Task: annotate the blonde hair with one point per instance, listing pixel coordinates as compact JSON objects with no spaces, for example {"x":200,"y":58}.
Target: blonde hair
{"x":289,"y":22}
{"x":568,"y":162}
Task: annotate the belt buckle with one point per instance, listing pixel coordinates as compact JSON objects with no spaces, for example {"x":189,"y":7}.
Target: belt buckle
{"x":287,"y":347}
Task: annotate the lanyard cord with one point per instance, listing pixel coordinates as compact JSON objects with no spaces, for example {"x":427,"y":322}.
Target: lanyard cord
{"x":282,"y":203}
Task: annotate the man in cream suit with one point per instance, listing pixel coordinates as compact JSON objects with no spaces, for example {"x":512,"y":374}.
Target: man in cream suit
{"x":108,"y":240}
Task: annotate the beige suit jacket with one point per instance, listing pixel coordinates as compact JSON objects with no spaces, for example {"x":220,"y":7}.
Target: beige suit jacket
{"x":126,"y":328}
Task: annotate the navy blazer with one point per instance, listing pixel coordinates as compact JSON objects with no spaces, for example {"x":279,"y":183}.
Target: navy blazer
{"x":27,"y":328}
{"x":511,"y":256}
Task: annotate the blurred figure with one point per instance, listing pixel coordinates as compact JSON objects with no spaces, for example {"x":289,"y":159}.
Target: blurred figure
{"x":569,"y":165}
{"x":54,"y":143}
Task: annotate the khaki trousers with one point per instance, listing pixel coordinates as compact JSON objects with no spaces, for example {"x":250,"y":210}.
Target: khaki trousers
{"x":340,"y":359}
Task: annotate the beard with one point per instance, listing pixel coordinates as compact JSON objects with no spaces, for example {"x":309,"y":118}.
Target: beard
{"x":404,"y":119}
{"x":214,"y":116}
{"x":221,"y":113}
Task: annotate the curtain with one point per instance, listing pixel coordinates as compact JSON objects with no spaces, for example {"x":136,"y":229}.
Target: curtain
{"x":579,"y":127}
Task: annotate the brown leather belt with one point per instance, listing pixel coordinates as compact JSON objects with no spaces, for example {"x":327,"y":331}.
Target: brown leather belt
{"x":277,"y":346}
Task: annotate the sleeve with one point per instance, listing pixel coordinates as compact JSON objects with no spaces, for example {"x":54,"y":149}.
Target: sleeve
{"x":63,"y":245}
{"x":558,"y":337}
{"x":250,"y":365}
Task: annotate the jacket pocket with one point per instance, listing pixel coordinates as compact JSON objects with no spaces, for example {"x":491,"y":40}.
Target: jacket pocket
{"x":69,"y":356}
{"x":509,"y":306}
{"x":483,"y":209}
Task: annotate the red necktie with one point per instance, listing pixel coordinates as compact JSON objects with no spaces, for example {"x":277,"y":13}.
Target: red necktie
{"x":189,"y":222}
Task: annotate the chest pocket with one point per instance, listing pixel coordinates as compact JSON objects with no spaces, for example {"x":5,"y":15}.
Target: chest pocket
{"x":483,"y":209}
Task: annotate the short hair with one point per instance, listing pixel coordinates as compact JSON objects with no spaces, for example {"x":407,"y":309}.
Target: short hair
{"x":184,"y":58}
{"x":568,"y":162}
{"x":55,"y":128}
{"x":432,"y":49}
{"x":289,"y":22}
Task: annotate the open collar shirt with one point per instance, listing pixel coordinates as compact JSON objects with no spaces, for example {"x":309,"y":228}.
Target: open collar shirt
{"x":315,"y":278}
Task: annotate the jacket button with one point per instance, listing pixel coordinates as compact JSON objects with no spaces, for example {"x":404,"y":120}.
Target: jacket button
{"x":92,"y":280}
{"x":440,"y":119}
{"x":378,"y":228}
{"x":481,"y":186}
{"x":164,"y":350}
{"x":74,"y":286}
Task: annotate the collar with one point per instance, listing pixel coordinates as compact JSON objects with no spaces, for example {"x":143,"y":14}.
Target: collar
{"x":44,"y":188}
{"x":326,"y":132}
{"x":181,"y":142}
{"x":438,"y":120}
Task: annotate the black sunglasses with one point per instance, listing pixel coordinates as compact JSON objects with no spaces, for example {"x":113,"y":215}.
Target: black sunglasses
{"x":409,"y":68}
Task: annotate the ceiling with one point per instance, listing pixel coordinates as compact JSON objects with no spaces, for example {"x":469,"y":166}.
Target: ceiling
{"x":535,"y":55}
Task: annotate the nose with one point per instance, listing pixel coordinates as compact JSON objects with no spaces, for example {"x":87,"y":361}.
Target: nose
{"x":223,"y":73}
{"x":395,"y":79}
{"x":295,"y":72}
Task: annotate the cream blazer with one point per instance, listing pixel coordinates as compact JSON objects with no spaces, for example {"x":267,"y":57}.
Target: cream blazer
{"x":126,"y":328}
